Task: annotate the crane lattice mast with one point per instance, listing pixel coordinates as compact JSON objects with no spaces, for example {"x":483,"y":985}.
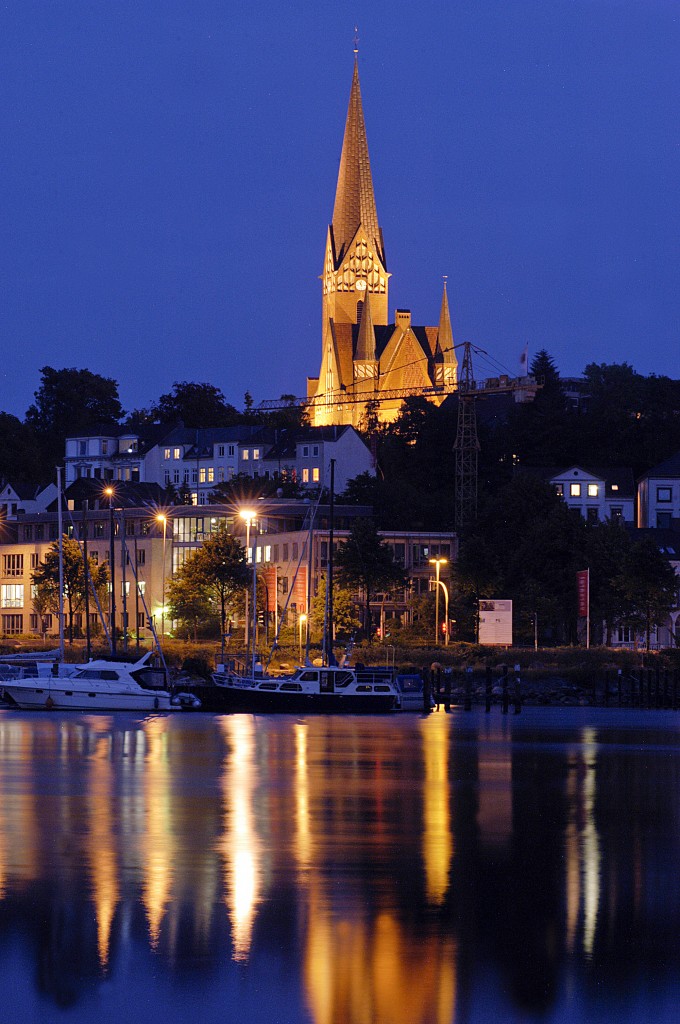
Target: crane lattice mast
{"x":467,"y":445}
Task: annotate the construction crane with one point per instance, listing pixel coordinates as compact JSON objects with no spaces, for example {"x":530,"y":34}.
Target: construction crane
{"x":466,"y":445}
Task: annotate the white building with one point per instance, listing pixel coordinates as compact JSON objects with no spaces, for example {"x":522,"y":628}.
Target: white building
{"x":659,"y":494}
{"x":196,"y":460}
{"x":597,"y":494}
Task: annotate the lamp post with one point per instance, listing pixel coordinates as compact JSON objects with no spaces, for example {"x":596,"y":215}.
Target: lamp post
{"x":437,"y":563}
{"x":303,"y":619}
{"x":162,"y":518}
{"x":110,"y":494}
{"x":249,"y":517}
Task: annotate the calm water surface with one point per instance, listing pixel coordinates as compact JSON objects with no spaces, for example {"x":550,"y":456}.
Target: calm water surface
{"x":389,"y":870}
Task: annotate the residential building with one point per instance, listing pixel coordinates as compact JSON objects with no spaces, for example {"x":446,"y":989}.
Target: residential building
{"x":16,"y":500}
{"x":659,"y":495}
{"x":195,"y":461}
{"x":596,"y":493}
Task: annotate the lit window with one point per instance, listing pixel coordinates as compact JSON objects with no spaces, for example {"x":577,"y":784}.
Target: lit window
{"x":615,"y":487}
{"x":575,"y":490}
{"x":194,"y":498}
{"x":246,"y":454}
{"x":201,"y":475}
{"x":211,"y":475}
{"x":12,"y":595}
{"x":305,"y":476}
{"x":166,"y":453}
{"x":13,"y":565}
{"x":256,"y":453}
{"x":593,"y":490}
{"x":315,"y":474}
{"x":176,"y":453}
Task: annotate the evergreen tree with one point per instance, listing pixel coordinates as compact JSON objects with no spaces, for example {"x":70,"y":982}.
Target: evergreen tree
{"x":366,"y":562}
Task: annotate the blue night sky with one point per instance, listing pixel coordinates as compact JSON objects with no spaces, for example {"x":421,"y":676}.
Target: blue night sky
{"x":168,"y":172}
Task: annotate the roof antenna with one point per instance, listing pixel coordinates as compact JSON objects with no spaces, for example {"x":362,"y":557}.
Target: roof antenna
{"x":356,"y":40}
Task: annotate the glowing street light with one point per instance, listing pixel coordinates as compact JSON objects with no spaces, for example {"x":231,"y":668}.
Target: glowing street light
{"x":110,"y":494}
{"x":437,"y":563}
{"x":162,"y":518}
{"x":250,"y":517}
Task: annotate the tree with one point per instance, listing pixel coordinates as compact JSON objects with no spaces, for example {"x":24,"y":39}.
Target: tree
{"x":345,"y":617}
{"x":214,"y":575}
{"x":197,"y":405}
{"x":188,"y":598}
{"x":46,"y":579}
{"x":221,"y":563}
{"x":648,"y":586}
{"x":19,"y":454}
{"x":366,"y":562}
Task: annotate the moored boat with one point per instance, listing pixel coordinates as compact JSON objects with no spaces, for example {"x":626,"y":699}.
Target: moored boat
{"x":98,"y":685}
{"x":330,"y":689}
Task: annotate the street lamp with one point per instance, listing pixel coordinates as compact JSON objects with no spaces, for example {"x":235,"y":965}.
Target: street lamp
{"x":303,"y":619}
{"x":162,"y":518}
{"x":110,"y":494}
{"x":249,"y":517}
{"x":437,"y":563}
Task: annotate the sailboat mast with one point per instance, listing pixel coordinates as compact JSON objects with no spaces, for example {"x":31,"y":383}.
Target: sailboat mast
{"x":328,"y":633}
{"x":60,"y":523}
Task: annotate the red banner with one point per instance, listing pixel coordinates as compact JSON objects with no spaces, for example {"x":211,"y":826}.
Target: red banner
{"x":583,"y":584}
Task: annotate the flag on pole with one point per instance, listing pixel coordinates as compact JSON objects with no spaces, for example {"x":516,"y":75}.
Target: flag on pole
{"x":524,"y":361}
{"x":583,"y":580}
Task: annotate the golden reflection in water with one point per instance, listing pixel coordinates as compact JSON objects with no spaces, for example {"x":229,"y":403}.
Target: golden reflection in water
{"x":239,"y":844}
{"x":357,"y":972}
{"x":303,"y":841}
{"x":437,"y":838}
{"x":590,"y":842}
{"x":158,"y":837}
{"x":20,"y":816}
{"x":582,"y":845}
{"x":101,"y":839}
{"x":494,"y":811}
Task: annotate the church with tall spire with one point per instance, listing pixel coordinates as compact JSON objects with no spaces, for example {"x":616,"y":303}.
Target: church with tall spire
{"x":367,"y":359}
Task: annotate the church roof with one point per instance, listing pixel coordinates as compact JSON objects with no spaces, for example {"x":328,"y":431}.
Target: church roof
{"x":354,"y":197}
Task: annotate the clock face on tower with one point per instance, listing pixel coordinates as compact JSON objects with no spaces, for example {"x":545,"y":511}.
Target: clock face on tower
{"x":360,"y":286}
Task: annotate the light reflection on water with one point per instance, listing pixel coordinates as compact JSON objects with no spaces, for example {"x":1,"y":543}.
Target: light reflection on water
{"x":341,"y":870}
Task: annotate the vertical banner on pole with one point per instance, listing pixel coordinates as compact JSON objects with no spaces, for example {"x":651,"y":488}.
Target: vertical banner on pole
{"x":583,"y":585}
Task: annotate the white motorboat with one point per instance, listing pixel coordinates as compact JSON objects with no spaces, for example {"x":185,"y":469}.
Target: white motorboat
{"x":98,"y":685}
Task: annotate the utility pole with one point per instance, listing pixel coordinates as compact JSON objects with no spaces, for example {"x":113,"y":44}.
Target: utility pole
{"x":467,"y":445}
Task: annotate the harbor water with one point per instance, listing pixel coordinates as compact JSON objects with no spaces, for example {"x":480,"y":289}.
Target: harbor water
{"x":399,"y":869}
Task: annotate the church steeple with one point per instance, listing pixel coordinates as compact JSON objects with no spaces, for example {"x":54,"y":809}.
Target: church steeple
{"x":354,"y":197}
{"x":446,"y":362}
{"x":355,"y":254}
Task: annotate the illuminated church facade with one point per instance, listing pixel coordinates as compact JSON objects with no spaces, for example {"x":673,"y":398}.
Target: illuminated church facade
{"x":368,"y":360}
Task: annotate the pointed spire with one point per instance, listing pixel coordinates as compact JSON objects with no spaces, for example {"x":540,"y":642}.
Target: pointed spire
{"x":445,"y":337}
{"x":365,"y":351}
{"x":354,"y":198}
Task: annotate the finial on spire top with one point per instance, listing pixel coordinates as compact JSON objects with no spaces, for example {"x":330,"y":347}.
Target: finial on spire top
{"x":356,"y":40}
